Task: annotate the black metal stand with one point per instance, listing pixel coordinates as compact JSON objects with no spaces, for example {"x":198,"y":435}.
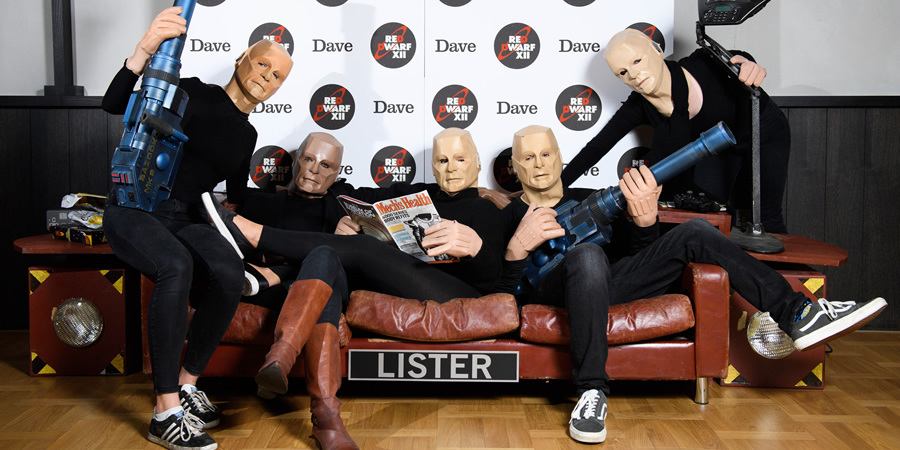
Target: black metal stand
{"x":63,"y":58}
{"x":753,"y":237}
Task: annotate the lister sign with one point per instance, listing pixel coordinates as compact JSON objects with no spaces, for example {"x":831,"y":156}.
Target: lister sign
{"x":387,"y":365}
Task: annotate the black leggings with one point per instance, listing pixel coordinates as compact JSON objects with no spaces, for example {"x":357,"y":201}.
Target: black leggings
{"x":178,"y":250}
{"x":371,"y":264}
{"x":322,"y":263}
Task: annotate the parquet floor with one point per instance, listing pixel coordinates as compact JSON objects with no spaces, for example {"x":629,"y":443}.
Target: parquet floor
{"x":858,"y":409}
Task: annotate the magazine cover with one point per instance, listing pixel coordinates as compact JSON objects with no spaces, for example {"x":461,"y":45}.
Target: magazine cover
{"x":401,"y":221}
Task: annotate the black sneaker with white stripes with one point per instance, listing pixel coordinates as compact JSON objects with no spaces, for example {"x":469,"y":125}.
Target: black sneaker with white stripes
{"x":825,"y":320}
{"x":180,"y":431}
{"x":588,"y":421}
{"x":196,"y":403}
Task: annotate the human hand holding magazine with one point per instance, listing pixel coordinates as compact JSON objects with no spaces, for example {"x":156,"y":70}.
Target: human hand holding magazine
{"x":400,"y":221}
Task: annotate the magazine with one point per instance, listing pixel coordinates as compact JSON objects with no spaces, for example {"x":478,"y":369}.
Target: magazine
{"x":399,"y":221}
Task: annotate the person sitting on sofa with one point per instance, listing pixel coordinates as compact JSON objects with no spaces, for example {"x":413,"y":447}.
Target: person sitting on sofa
{"x":173,"y":246}
{"x":638,"y":263}
{"x":313,"y":303}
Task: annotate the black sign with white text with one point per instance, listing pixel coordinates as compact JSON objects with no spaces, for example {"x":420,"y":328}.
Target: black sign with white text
{"x":394,"y":365}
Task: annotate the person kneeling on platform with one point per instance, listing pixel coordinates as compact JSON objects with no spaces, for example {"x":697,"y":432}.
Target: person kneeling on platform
{"x":638,"y":263}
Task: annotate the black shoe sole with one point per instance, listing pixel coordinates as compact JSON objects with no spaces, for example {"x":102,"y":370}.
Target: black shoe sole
{"x":270,"y":378}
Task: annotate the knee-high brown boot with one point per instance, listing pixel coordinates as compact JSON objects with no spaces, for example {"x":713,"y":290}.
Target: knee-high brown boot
{"x":323,"y":379}
{"x":302,"y":308}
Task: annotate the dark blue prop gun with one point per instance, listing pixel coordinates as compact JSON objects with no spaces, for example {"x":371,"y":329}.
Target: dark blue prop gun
{"x":589,"y":221}
{"x":146,"y":161}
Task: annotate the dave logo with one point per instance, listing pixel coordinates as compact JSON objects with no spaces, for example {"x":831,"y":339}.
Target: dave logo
{"x":578,"y":107}
{"x":274,"y":32}
{"x":455,"y":3}
{"x":210,"y":2}
{"x":332,"y":2}
{"x":332,"y":107}
{"x":517,"y":46}
{"x":454,"y":106}
{"x":503,"y":172}
{"x":393,"y":45}
{"x":392,"y":164}
{"x":270,"y":166}
{"x":652,"y":32}
{"x":579,"y":2}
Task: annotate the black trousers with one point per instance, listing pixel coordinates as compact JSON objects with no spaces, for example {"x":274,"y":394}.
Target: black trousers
{"x":586,"y":284}
{"x":177,"y":248}
{"x":370,"y":264}
{"x":322,"y":263}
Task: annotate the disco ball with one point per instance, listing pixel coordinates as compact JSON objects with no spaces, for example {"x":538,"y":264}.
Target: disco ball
{"x":767,"y":339}
{"x":77,"y":322}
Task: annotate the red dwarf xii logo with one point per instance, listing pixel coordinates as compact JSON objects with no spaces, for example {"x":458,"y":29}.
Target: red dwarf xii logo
{"x":517,"y":45}
{"x":332,"y":106}
{"x":270,"y":166}
{"x":273,"y":32}
{"x":392,"y":164}
{"x":454,"y":106}
{"x":393,"y":45}
{"x":578,"y":107}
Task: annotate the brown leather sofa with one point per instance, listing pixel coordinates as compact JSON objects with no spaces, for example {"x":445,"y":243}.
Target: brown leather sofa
{"x":671,"y":337}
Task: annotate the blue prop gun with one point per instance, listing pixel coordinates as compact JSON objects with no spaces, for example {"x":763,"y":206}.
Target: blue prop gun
{"x":589,"y":221}
{"x":147,"y":158}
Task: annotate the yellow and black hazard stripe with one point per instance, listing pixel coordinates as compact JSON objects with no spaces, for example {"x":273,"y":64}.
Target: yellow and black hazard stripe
{"x":39,"y":367}
{"x":813,"y":378}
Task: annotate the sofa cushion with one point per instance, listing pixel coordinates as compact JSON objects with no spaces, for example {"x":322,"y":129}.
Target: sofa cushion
{"x":634,"y":321}
{"x":255,"y":325}
{"x":460,"y":319}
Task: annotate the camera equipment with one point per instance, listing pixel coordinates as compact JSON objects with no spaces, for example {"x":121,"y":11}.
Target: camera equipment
{"x":733,"y":12}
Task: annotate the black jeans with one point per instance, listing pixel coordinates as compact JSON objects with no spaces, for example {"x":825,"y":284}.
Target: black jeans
{"x":322,"y":263}
{"x":177,"y":249}
{"x":588,"y":284}
{"x":371,"y":264}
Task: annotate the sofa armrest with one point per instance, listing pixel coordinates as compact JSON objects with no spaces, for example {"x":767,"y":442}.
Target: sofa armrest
{"x":708,"y":287}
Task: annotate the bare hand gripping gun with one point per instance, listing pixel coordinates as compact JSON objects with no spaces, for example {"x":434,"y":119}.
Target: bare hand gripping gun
{"x":146,"y":161}
{"x":589,"y":221}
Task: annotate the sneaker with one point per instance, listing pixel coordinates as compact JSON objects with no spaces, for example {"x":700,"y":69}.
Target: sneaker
{"x":588,"y":418}
{"x":831,"y":320}
{"x":253,"y":281}
{"x":198,"y":405}
{"x":223,"y":219}
{"x":180,"y":431}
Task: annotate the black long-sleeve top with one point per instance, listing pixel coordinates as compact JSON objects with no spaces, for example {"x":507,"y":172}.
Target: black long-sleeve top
{"x":220,"y":138}
{"x":723,"y":100}
{"x":322,"y":215}
{"x":627,"y":238}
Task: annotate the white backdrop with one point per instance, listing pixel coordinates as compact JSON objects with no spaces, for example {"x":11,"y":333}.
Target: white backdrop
{"x":447,"y":53}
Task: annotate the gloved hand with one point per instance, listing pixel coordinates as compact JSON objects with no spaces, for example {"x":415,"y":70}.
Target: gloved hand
{"x":347,"y":227}
{"x":751,"y":74}
{"x":538,"y":226}
{"x":452,"y":238}
{"x":167,"y":24}
{"x":642,"y":194}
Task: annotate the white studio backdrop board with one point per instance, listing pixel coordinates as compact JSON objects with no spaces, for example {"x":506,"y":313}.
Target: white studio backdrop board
{"x":384,"y":77}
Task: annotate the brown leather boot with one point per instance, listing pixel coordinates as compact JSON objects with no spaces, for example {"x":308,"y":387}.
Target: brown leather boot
{"x":323,"y":379}
{"x":302,"y":308}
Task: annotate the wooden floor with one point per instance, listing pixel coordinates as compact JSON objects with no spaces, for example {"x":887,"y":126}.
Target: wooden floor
{"x":858,"y":409}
